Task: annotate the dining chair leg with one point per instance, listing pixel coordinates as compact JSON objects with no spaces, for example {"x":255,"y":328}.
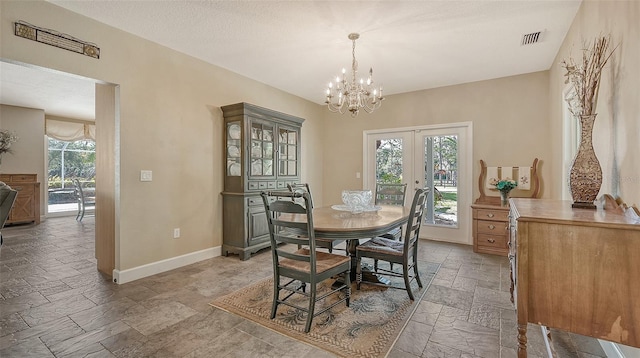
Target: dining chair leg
{"x":358,"y":272}
{"x":347,"y":282}
{"x":312,"y":304}
{"x":415,"y":271}
{"x":407,"y":282}
{"x":276,"y":293}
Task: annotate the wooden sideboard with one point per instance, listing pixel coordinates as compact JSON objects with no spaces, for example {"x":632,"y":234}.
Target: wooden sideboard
{"x":575,"y":270}
{"x":490,"y":228}
{"x":490,"y":219}
{"x":27,"y":205}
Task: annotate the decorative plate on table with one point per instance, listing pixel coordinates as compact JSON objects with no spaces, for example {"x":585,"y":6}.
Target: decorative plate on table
{"x":346,"y":208}
{"x":234,"y":131}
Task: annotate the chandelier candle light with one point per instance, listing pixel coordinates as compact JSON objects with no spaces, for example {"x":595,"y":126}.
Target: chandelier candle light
{"x":351,"y":96}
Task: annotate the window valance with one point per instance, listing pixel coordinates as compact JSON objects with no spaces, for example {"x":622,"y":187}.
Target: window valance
{"x":70,"y":131}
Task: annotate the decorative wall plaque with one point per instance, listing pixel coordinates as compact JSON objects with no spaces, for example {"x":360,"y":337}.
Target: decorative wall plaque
{"x":57,"y":39}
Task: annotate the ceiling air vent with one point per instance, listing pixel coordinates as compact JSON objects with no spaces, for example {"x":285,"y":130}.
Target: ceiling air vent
{"x":532,"y":38}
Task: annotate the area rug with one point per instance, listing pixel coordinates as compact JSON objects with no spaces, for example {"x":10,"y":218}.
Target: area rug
{"x":368,"y":328}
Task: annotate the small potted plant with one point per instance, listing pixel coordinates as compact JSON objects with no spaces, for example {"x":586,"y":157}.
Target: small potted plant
{"x":504,"y":186}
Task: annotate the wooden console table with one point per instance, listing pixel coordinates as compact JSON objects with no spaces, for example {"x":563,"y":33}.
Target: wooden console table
{"x":490,"y":222}
{"x":27,"y":205}
{"x":575,"y":270}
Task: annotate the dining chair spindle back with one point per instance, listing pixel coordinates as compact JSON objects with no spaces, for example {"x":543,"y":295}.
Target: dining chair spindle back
{"x":292,"y":271}
{"x":403,"y":252}
{"x":320,"y":242}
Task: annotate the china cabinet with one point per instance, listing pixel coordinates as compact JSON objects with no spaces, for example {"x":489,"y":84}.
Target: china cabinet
{"x":261,"y":152}
{"x":27,"y":205}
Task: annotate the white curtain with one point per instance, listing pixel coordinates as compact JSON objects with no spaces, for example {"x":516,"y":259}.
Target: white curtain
{"x":70,"y":131}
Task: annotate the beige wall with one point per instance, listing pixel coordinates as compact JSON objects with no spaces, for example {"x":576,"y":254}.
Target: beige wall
{"x":617,"y":126}
{"x":509,"y":118}
{"x":170,"y":123}
{"x":28,"y":151}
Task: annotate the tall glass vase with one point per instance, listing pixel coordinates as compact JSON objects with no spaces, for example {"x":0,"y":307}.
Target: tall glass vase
{"x":504,"y":198}
{"x":585,"y":176}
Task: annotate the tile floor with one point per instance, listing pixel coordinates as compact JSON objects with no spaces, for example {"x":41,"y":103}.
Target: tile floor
{"x":53,"y":303}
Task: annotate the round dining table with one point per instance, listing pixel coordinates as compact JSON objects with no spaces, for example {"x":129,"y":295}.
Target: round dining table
{"x":330,"y":223}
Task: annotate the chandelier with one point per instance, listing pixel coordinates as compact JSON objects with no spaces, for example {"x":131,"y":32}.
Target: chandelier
{"x":351,"y":96}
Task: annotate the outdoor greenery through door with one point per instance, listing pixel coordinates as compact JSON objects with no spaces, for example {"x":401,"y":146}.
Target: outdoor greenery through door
{"x":69,"y":161}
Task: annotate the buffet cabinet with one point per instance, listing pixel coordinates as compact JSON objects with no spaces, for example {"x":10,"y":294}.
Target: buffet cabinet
{"x":26,"y":208}
{"x":574,"y":270}
{"x":261,"y":153}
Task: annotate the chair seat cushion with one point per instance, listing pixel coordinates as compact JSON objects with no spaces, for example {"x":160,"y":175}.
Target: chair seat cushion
{"x":324,"y":261}
{"x":380,"y":244}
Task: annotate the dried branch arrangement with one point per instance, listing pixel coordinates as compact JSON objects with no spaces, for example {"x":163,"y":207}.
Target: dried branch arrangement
{"x":585,"y":77}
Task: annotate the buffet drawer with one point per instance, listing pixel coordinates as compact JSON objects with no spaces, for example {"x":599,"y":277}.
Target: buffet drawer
{"x":492,"y":227}
{"x":494,"y":241}
{"x":488,"y":214}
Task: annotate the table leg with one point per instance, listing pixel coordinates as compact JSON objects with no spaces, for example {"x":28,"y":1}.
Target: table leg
{"x":368,"y":274}
{"x":522,"y":340}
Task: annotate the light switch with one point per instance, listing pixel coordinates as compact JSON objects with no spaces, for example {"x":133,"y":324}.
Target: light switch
{"x":146,"y":175}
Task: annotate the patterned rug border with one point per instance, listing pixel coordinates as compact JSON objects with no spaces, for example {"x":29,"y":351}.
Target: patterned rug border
{"x":387,"y":338}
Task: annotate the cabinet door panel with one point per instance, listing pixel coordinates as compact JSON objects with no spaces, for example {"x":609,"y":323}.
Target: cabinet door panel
{"x":258,"y":227}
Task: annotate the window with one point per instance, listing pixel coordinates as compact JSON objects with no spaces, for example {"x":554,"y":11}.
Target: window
{"x":68,"y":161}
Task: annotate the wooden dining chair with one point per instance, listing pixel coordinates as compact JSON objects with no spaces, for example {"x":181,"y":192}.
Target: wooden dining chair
{"x":320,"y":242}
{"x":403,"y":252}
{"x":391,"y":194}
{"x":306,"y":266}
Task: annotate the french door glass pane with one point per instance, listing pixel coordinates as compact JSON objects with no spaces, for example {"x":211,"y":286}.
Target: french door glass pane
{"x":389,"y":160}
{"x":442,"y":152}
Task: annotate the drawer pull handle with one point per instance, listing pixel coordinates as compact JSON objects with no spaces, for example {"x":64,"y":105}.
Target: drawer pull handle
{"x":490,"y":215}
{"x":491,"y":240}
{"x":492,"y":227}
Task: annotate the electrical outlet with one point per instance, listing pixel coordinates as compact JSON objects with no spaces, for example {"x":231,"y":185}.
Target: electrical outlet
{"x":176,"y":233}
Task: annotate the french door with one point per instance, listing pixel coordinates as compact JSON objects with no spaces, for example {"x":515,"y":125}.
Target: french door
{"x":434,"y":157}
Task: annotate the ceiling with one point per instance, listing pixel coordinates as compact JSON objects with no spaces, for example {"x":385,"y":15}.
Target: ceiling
{"x":299,"y":46}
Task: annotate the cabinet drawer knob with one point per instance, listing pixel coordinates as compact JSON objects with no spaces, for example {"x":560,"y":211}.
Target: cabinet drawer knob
{"x":492,"y":227}
{"x":491,"y":240}
{"x":490,"y":215}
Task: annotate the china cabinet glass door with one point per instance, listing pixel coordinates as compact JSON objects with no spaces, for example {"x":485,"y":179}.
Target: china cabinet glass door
{"x":262,"y":140}
{"x":234,"y":149}
{"x":288,"y":152}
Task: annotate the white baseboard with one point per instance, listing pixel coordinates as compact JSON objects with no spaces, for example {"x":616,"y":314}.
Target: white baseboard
{"x":611,"y":349}
{"x":157,"y":267}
